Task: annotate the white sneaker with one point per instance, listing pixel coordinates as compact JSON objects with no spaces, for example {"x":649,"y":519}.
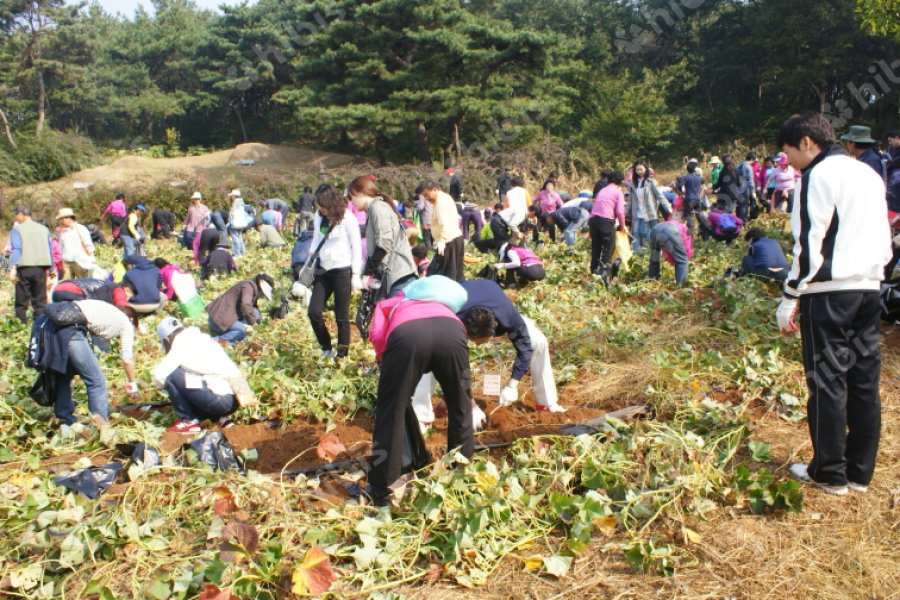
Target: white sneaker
{"x":799,"y":471}
{"x":554,"y":408}
{"x":858,"y":487}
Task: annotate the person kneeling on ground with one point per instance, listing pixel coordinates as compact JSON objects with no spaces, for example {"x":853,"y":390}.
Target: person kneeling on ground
{"x":233,"y":314}
{"x":764,"y":257}
{"x":522,"y":265}
{"x":198,"y":376}
{"x":673,"y":240}
{"x":269,"y":236}
{"x":218,"y":262}
{"x":411,"y":338}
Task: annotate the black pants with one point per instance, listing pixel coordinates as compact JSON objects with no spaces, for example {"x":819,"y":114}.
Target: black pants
{"x":337,"y":282}
{"x":541,"y":226}
{"x":197,"y":403}
{"x":525,"y":275}
{"x":436,"y":345}
{"x":843,"y":366}
{"x":603,"y":240}
{"x":31,"y":289}
{"x":451,"y":263}
{"x":427,"y":238}
{"x":500,"y":235}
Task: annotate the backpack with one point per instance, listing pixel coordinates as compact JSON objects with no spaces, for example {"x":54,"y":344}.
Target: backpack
{"x":727,"y":223}
{"x":37,"y":342}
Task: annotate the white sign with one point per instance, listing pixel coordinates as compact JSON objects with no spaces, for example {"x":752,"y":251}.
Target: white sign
{"x":492,"y":384}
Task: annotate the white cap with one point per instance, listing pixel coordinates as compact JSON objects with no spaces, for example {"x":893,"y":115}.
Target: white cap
{"x":196,"y":196}
{"x":235,"y":193}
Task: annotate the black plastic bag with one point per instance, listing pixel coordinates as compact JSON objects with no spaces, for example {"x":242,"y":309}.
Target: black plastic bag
{"x":64,"y":314}
{"x":92,"y":481}
{"x":489,"y":273}
{"x":214,"y":450}
{"x":44,"y":389}
{"x":282,"y":310}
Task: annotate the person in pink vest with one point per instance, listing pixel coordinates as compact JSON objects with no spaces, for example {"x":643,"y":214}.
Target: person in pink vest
{"x":411,"y":338}
{"x":117,"y":212}
{"x":522,"y":265}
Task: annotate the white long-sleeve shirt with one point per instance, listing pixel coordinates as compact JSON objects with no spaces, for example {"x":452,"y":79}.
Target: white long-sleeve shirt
{"x":518,"y":207}
{"x":343,"y":247}
{"x":198,"y":353}
{"x":841,"y":232}
{"x":75,"y":242}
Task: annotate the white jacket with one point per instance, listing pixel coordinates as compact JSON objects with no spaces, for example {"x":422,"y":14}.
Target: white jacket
{"x":199,"y":354}
{"x":841,"y":231}
{"x":343,"y":248}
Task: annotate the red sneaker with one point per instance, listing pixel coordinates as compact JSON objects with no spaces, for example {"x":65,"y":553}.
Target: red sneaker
{"x":185,"y":427}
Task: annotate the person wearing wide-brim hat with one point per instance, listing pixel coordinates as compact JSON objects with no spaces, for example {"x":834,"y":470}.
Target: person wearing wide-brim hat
{"x":715,"y":168}
{"x":861,"y":144}
{"x":76,"y":245}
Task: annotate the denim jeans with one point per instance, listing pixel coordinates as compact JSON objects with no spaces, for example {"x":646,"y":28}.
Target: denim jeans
{"x":640,"y":230}
{"x":233,"y":334}
{"x":571,"y":232}
{"x":129,"y":244}
{"x":82,"y":362}
{"x":668,"y":238}
{"x":237,"y":242}
{"x":196,"y":404}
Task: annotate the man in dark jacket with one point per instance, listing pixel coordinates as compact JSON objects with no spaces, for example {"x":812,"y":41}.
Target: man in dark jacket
{"x":570,"y":219}
{"x":691,"y":188}
{"x":306,"y":209}
{"x":504,"y":183}
{"x":861,"y":144}
{"x":145,"y":281}
{"x":163,"y":222}
{"x":454,"y":184}
{"x":233,"y":314}
{"x":764,"y":257}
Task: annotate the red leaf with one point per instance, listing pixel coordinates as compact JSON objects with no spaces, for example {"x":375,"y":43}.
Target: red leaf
{"x":238,"y":539}
{"x":330,"y":446}
{"x":211,"y":591}
{"x":314,"y":576}
{"x":225,"y":504}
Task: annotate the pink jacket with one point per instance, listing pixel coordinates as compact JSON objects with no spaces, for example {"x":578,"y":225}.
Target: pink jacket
{"x":685,"y":238}
{"x":610,"y":204}
{"x":167,"y":273}
{"x":115,"y":208}
{"x":394,"y":312}
{"x":548,"y":201}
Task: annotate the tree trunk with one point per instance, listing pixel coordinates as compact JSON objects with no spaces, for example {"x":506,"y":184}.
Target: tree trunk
{"x":240,"y":121}
{"x":422,"y":135}
{"x":42,"y":104}
{"x":452,"y":149}
{"x":6,"y":129}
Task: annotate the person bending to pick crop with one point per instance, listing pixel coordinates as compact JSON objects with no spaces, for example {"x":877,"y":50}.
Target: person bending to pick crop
{"x":842,"y":242}
{"x":233,"y":314}
{"x":673,"y":240}
{"x":199,"y":377}
{"x":489,"y":313}
{"x":411,"y":338}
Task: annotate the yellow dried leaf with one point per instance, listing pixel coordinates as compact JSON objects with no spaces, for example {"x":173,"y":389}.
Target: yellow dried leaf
{"x":606,"y":525}
{"x":534,"y":563}
{"x":691,"y":536}
{"x":314,"y":575}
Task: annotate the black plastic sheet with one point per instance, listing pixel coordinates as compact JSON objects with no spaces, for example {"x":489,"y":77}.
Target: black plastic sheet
{"x":214,"y":450}
{"x":92,"y":481}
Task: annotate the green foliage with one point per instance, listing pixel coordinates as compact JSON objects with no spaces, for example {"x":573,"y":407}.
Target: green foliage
{"x":765,"y":494}
{"x":50,"y":156}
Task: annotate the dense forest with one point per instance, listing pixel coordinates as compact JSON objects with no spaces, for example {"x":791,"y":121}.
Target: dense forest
{"x":430,"y":80}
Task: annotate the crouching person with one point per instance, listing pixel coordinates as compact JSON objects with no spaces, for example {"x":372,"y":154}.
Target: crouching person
{"x":199,"y":377}
{"x":233,"y":314}
{"x":411,"y":338}
{"x":671,"y":238}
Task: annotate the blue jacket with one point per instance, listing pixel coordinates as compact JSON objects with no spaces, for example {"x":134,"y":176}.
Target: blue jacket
{"x":145,"y":279}
{"x":873,"y":159}
{"x":767,"y":254}
{"x":483,"y":292}
{"x":566,"y":216}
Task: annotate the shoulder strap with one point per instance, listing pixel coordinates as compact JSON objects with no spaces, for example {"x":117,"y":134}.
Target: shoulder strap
{"x":314,"y":256}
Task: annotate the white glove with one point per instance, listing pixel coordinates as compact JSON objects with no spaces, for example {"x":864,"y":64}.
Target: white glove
{"x":356,"y":283}
{"x":439,"y":247}
{"x":131,"y":388}
{"x":301,"y":293}
{"x":510,"y":394}
{"x":499,"y":265}
{"x":785,"y":315}
{"x":248,"y":328}
{"x":479,"y":419}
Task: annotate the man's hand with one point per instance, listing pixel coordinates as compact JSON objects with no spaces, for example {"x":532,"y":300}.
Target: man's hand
{"x":499,"y":265}
{"x":131,"y":388}
{"x":479,"y":419}
{"x":440,"y":247}
{"x":785,"y":315}
{"x":13,"y":276}
{"x":356,"y":283}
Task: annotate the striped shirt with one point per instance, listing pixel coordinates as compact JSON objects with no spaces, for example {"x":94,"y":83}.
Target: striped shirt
{"x":106,"y":321}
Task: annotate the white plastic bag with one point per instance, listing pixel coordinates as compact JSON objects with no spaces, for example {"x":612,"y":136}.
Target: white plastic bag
{"x":184,"y":286}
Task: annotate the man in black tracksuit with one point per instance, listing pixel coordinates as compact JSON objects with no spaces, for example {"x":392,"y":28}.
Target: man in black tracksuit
{"x":842,"y":242}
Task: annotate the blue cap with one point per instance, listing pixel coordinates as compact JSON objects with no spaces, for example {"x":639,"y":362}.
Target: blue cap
{"x":141,"y":207}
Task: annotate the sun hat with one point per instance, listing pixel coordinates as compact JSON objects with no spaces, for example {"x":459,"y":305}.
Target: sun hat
{"x":693,"y":160}
{"x":859,"y":134}
{"x":235,"y":194}
{"x":266,"y":289}
{"x":167,"y":327}
{"x":197,"y":196}
{"x":65,"y":212}
{"x":715,"y":160}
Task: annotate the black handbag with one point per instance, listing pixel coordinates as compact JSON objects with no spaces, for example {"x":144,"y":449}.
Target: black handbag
{"x":43,"y":391}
